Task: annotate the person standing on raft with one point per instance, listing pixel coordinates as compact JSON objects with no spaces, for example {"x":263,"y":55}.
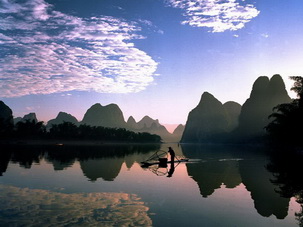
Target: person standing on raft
{"x":172,"y":154}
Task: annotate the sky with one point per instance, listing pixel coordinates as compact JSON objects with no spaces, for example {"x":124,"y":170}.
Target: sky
{"x":150,"y":57}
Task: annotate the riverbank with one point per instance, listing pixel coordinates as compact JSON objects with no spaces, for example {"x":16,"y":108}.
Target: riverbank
{"x":58,"y":142}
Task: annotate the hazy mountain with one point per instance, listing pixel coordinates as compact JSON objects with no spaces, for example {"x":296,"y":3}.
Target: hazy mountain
{"x":106,"y":116}
{"x":17,"y":119}
{"x":205,"y":122}
{"x":233,"y":111}
{"x":131,"y":123}
{"x":6,"y":114}
{"x":211,"y":121}
{"x":265,"y":95}
{"x":147,"y":122}
{"x":30,"y":117}
{"x":62,"y":117}
{"x":178,"y":132}
{"x":27,"y":117}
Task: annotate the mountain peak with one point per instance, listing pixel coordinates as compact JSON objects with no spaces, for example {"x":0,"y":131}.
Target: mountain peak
{"x":207,"y":99}
{"x":5,"y":112}
{"x":205,"y":121}
{"x":131,"y":119}
{"x":30,"y":117}
{"x":265,"y":95}
{"x":106,"y":116}
{"x":259,"y":86}
{"x":62,"y":117}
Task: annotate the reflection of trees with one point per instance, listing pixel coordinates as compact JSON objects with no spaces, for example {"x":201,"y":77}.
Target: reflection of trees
{"x":26,"y":156}
{"x":287,"y":172}
{"x":96,"y":161}
{"x":30,"y":129}
{"x":4,"y":160}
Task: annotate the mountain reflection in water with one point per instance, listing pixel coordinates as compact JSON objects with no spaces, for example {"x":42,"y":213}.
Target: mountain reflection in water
{"x":199,"y":190}
{"x":232,"y":166}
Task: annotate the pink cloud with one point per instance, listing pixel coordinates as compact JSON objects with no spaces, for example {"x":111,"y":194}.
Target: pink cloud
{"x":48,"y":51}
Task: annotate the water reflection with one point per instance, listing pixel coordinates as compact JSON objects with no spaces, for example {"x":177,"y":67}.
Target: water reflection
{"x":232,"y":165}
{"x":107,"y":169}
{"x":258,"y":181}
{"x":96,"y":161}
{"x":36,"y":207}
{"x":264,"y":185}
{"x":285,"y":165}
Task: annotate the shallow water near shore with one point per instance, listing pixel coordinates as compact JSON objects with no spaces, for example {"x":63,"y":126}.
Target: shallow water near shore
{"x":106,"y":186}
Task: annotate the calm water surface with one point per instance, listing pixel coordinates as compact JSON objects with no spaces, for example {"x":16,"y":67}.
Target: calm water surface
{"x":106,"y":186}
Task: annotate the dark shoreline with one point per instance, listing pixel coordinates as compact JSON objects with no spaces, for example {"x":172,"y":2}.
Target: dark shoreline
{"x":65,"y":142}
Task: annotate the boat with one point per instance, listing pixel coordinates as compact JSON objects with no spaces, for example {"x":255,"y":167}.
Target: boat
{"x":162,"y":162}
{"x":160,"y":158}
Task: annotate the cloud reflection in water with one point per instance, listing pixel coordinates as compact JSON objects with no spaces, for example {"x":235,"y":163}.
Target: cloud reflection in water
{"x":35,"y":207}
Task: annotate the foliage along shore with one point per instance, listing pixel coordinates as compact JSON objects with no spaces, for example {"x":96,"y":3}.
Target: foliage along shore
{"x":30,"y":132}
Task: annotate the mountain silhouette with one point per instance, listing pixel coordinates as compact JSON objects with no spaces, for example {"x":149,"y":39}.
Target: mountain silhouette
{"x":265,"y":95}
{"x":258,"y":181}
{"x":209,"y":120}
{"x":147,"y":124}
{"x":6,"y":114}
{"x":6,"y":120}
{"x":107,"y":116}
{"x":178,"y":132}
{"x":131,"y":123}
{"x":107,"y":169}
{"x":229,"y":165}
{"x":27,"y":117}
{"x":62,"y":117}
{"x":233,"y":110}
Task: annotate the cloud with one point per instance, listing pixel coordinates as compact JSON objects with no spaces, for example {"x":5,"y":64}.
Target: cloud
{"x":265,"y":35}
{"x":37,"y":207}
{"x":219,"y":15}
{"x":46,"y":51}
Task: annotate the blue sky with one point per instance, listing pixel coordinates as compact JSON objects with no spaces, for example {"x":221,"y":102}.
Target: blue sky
{"x":151,"y":57}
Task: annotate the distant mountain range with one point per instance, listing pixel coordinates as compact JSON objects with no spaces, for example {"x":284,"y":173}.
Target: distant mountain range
{"x":112,"y":116}
{"x":27,"y":117}
{"x":210,"y":121}
{"x":61,"y":118}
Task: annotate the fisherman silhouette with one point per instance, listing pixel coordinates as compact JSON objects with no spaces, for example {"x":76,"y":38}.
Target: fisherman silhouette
{"x":172,"y":154}
{"x":171,"y":170}
{"x":172,"y":163}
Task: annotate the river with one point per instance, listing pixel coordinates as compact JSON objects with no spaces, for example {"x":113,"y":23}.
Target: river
{"x":105,"y":185}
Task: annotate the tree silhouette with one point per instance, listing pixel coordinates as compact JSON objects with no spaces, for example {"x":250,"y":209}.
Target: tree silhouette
{"x":6,"y":127}
{"x":68,"y":130}
{"x":30,"y":129}
{"x":287,"y":176}
{"x":287,"y":124}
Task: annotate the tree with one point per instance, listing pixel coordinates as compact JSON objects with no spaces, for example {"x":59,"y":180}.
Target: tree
{"x":30,"y":129}
{"x":287,"y":124}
